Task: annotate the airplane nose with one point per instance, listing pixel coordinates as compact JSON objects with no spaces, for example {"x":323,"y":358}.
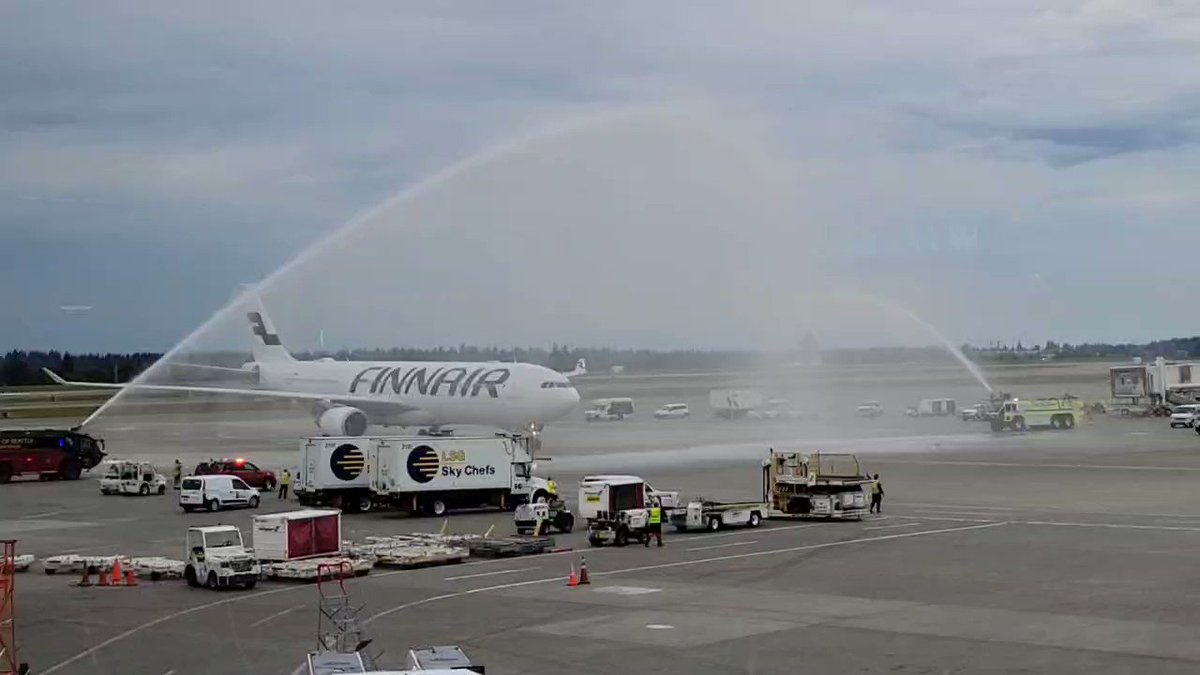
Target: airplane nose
{"x":567,"y":400}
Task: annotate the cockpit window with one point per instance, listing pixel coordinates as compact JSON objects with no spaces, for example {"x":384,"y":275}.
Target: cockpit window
{"x":556,"y":385}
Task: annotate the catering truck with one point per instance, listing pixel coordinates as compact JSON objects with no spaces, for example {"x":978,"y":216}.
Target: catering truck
{"x":419,"y":474}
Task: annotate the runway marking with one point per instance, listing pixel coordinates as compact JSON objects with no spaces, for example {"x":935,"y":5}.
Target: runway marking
{"x":1115,"y":526}
{"x":290,"y":589}
{"x":276,"y":615}
{"x":489,"y":574}
{"x":681,"y":563}
{"x":1033,"y":465}
{"x":170,"y":672}
{"x":970,"y":507}
{"x":709,"y":548}
{"x":889,"y":527}
{"x":768,"y":530}
{"x":45,"y":514}
{"x":660,"y":626}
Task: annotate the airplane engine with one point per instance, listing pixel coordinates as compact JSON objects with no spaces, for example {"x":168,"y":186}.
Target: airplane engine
{"x":343,"y":420}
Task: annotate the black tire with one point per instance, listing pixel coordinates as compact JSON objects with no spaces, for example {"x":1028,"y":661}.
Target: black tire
{"x":250,"y":584}
{"x":712,"y":524}
{"x":1019,"y":424}
{"x":213,"y":584}
{"x":162,"y":489}
{"x":189,"y":575}
{"x":50,"y":570}
{"x":1068,"y":422}
{"x":523,"y":530}
{"x":144,"y":490}
{"x":565,"y":522}
{"x":622,"y":537}
{"x":268,"y":485}
{"x":437,"y":507}
{"x":592,"y":541}
{"x":5,"y":472}
{"x":70,"y":470}
{"x":364,"y":504}
{"x":187,"y":508}
{"x":1197,"y":433}
{"x":254,"y":501}
{"x":755,"y":519}
{"x":212,"y":505}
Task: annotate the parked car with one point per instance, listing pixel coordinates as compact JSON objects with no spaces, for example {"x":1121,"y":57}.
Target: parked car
{"x":240,"y":467}
{"x":1185,"y":415}
{"x":672,"y":411}
{"x":216,"y":492}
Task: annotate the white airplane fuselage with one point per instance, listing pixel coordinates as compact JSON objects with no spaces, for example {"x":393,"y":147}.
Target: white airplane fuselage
{"x":511,"y":396}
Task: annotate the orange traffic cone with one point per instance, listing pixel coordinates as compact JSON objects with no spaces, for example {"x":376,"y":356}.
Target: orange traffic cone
{"x":583,"y":575}
{"x":86,"y":578}
{"x":117,"y":578}
{"x":102,"y":579}
{"x":572,"y":581}
{"x":131,"y":578}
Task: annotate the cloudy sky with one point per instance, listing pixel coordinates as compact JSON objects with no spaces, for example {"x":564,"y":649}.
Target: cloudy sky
{"x":1008,"y":170}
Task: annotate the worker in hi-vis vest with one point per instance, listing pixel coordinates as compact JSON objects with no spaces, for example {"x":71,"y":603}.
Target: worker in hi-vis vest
{"x":654,"y":523}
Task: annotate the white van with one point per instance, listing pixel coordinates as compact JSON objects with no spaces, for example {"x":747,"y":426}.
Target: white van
{"x":216,"y":492}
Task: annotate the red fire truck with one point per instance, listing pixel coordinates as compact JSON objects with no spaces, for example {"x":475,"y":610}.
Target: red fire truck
{"x":49,"y":453}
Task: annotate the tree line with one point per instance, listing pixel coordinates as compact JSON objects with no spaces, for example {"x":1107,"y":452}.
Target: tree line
{"x":24,"y":368}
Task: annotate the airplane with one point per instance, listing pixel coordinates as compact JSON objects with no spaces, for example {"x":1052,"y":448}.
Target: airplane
{"x":350,"y":396}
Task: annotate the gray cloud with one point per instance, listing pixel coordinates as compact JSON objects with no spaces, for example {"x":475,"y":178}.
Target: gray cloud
{"x":927,"y":141}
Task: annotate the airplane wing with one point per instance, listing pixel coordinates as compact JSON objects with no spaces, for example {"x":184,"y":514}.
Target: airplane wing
{"x":367,"y":404}
{"x":215,"y":369}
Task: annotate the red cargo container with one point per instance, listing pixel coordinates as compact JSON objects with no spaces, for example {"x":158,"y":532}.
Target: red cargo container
{"x":292,"y":535}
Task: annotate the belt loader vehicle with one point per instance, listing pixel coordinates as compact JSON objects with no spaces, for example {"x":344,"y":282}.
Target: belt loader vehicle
{"x":712,"y":516}
{"x":418,"y":474}
{"x":820,"y":485}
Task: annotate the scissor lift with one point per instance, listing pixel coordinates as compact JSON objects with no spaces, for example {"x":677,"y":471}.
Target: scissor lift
{"x":341,"y":647}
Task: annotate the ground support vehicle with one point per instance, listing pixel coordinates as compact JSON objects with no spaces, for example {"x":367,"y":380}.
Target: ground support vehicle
{"x":217,"y":558}
{"x":932,"y":407}
{"x":672,"y":411}
{"x":732,"y":404}
{"x":418,"y":474}
{"x":713,"y":515}
{"x":49,"y":453}
{"x":123,"y":477}
{"x":554,"y":514}
{"x":615,"y":508}
{"x":869,"y":409}
{"x":609,"y":410}
{"x":1022,"y":414}
{"x":820,"y":485}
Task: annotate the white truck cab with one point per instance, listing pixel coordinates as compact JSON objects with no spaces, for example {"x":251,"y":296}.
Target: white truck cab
{"x":217,"y":558}
{"x":668,"y":499}
{"x":126,"y":477}
{"x":216,"y":492}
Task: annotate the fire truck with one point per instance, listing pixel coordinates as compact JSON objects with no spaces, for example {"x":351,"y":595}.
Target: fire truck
{"x":49,"y":453}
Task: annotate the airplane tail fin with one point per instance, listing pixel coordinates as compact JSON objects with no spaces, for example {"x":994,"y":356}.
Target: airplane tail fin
{"x":580,"y":369}
{"x":266,"y":346}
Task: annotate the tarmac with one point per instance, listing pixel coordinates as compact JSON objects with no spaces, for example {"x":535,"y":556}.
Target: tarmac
{"x":1066,"y":551}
